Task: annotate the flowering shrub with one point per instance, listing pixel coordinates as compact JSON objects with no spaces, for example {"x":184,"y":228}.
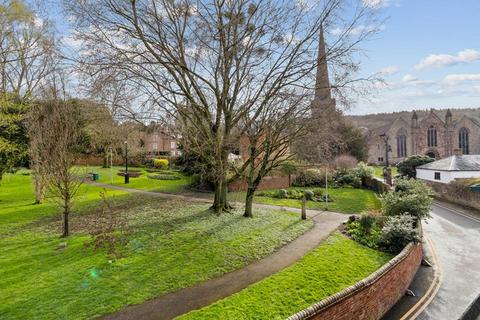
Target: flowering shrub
{"x":410,"y":196}
{"x":397,"y":232}
{"x":160,"y":164}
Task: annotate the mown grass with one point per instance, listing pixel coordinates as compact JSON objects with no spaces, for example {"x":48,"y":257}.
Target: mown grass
{"x":345,"y":200}
{"x":336,"y":264}
{"x":166,"y":245}
{"x":142,"y":182}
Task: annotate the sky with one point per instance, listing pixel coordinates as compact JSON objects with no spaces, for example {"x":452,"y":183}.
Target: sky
{"x":429,"y":55}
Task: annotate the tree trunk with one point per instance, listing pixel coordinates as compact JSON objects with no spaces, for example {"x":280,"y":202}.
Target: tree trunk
{"x":105,"y":159}
{"x":39,"y":189}
{"x":249,"y":202}
{"x":220,"y":201}
{"x":66,"y":213}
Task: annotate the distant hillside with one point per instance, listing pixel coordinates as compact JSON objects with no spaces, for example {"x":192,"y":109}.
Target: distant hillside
{"x":378,"y":120}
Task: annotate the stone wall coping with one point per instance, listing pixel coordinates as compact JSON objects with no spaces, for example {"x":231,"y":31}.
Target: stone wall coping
{"x":362,"y":284}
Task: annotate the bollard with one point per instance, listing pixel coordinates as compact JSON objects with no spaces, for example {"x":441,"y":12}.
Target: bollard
{"x":304,"y":208}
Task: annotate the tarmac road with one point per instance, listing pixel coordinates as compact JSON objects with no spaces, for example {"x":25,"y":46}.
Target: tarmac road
{"x":455,"y":234}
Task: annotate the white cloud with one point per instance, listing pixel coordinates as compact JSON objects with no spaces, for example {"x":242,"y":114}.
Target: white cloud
{"x":441,"y":60}
{"x":389,"y":70}
{"x":453,"y":79}
{"x":375,"y":3}
{"x":409,"y":78}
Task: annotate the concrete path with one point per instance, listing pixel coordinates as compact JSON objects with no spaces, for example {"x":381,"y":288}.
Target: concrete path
{"x":202,"y":294}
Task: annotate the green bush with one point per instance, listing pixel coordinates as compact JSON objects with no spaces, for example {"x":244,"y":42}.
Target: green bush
{"x":365,"y":231}
{"x":410,"y":196}
{"x":407,"y":167}
{"x":160,"y":164}
{"x":397,"y":233}
{"x":363,"y":170}
{"x":295,"y":194}
{"x":163,"y":177}
{"x":348,"y":177}
{"x":311,"y":178}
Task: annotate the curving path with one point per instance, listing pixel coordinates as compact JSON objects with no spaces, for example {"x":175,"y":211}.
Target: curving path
{"x":184,"y":300}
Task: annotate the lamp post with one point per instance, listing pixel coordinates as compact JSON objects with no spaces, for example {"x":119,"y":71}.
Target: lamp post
{"x":127,"y":178}
{"x":387,"y":172}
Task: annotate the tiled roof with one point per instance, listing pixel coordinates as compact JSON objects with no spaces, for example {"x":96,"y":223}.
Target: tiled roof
{"x":455,"y":163}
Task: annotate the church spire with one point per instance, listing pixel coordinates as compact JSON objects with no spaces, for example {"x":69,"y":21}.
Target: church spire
{"x":322,"y":84}
{"x":323,"y":100}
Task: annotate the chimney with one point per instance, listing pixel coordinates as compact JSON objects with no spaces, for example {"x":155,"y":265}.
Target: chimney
{"x":457,"y":152}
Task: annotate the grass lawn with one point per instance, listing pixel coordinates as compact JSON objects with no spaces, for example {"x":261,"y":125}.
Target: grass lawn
{"x":166,"y":245}
{"x":142,"y":182}
{"x":345,"y":200}
{"x":336,"y":264}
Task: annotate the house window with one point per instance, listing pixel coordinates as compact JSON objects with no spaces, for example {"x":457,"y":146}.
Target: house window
{"x":155,"y":137}
{"x":463,"y":140}
{"x":401,"y":146}
{"x":432,"y":137}
{"x":155,"y":146}
{"x":173,"y":145}
{"x":380,"y":159}
{"x":437,"y":176}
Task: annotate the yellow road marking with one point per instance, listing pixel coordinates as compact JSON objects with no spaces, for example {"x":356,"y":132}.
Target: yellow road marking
{"x":421,"y":304}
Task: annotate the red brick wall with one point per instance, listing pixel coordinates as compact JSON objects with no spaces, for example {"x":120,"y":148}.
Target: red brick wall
{"x":276,"y":182}
{"x":372,"y":297}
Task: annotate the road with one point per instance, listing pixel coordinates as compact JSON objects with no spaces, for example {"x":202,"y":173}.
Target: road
{"x":455,"y":234}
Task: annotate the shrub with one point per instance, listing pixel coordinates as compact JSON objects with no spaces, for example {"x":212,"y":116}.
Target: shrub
{"x":407,"y":167}
{"x":345,"y":161}
{"x":348,"y":177}
{"x":163,"y":177}
{"x":131,"y":174}
{"x":362,"y":170}
{"x":365,"y":230}
{"x":311,"y":178}
{"x":410,"y":196}
{"x":397,"y":233}
{"x":160,"y":164}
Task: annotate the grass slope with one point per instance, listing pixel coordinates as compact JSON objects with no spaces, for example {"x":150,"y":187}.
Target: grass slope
{"x":336,"y":264}
{"x":346,"y":200}
{"x":167,"y":245}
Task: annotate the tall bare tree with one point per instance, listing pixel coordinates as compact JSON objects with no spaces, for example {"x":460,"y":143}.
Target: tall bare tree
{"x":55,"y":131}
{"x":28,"y":49}
{"x":213,"y":61}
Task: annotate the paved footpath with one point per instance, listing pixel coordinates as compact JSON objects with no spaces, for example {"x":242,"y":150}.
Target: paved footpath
{"x":202,"y":294}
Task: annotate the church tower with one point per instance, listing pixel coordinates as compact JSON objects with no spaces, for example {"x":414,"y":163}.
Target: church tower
{"x":323,"y":101}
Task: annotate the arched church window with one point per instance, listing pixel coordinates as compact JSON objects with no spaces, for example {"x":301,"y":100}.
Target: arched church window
{"x":463,"y":142}
{"x":401,"y":145}
{"x":432,"y":137}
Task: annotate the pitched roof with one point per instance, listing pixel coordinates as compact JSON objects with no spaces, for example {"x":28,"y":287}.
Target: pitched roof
{"x":470,"y":162}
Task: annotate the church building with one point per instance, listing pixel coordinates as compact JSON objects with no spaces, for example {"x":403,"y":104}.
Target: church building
{"x":435,"y":133}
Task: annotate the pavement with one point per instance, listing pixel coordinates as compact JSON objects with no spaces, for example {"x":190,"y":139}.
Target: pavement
{"x":447,"y":289}
{"x":202,"y":294}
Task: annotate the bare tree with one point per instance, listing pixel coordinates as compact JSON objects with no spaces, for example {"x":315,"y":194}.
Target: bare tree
{"x":213,"y":61}
{"x":28,"y":49}
{"x":55,"y":131}
{"x":270,"y":135}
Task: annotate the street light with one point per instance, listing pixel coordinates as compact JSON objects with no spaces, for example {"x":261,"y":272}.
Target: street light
{"x":387,"y":171}
{"x":388,"y":148}
{"x":127,"y":178}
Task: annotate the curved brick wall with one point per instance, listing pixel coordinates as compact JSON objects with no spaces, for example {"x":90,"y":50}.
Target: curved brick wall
{"x":373,"y":296}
